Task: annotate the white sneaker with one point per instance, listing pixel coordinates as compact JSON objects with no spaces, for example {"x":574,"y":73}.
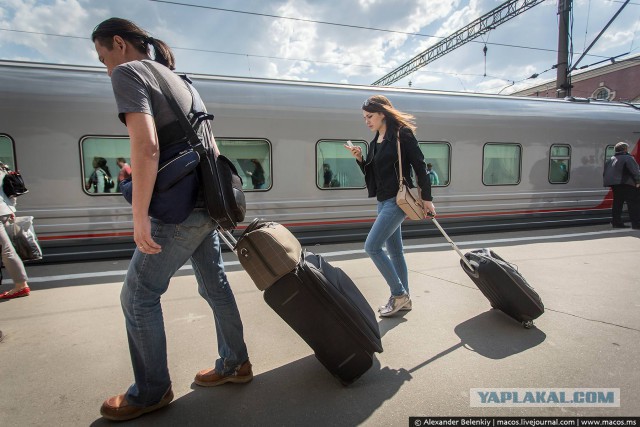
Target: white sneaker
{"x":407,"y":307}
{"x":394,"y":305}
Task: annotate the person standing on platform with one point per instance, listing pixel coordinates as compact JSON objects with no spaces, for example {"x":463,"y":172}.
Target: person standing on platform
{"x":161,"y":249}
{"x":622,"y":174}
{"x":10,"y":258}
{"x":381,"y":178}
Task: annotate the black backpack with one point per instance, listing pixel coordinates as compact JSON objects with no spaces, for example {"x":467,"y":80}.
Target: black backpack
{"x":13,"y":184}
{"x":108,"y":182}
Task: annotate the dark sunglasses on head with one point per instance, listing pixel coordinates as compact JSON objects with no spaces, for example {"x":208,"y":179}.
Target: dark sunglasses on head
{"x":367,"y":103}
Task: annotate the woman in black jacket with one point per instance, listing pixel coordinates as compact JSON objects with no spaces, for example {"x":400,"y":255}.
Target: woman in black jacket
{"x":380,"y":170}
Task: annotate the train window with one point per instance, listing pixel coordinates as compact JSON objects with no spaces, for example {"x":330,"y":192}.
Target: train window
{"x":559,"y":164}
{"x":501,"y":164}
{"x":609,"y":152}
{"x":336,"y":167}
{"x":438,"y":154}
{"x":105,"y":162}
{"x":7,"y":154}
{"x":252,"y":158}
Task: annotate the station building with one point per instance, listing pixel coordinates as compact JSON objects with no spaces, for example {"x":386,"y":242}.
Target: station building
{"x":617,"y":81}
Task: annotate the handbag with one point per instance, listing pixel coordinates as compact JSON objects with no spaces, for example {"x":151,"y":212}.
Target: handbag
{"x":267,"y":251}
{"x":221,"y":183}
{"x":406,"y":200}
{"x":176,"y":188}
{"x":13,"y":183}
{"x":23,"y":237}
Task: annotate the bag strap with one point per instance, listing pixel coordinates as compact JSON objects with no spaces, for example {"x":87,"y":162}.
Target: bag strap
{"x":186,"y":125}
{"x":401,"y":181}
{"x":399,"y":161}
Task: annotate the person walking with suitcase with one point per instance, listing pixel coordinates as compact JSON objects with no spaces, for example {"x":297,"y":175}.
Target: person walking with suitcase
{"x":162,"y":248}
{"x":381,"y":178}
{"x":622,"y":174}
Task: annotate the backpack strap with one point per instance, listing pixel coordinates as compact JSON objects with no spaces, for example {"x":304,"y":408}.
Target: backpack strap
{"x":186,"y":124}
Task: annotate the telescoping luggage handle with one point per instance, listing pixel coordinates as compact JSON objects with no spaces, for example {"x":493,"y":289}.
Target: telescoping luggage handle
{"x":228,"y":239}
{"x":446,"y":236}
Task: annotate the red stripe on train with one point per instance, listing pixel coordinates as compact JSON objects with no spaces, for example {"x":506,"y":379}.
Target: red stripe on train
{"x":87,"y":236}
{"x":606,"y":203}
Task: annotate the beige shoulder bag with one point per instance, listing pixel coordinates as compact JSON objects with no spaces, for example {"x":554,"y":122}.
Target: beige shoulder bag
{"x":411,"y":205}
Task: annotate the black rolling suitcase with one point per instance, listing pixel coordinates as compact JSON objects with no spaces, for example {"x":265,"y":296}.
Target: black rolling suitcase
{"x":323,"y":305}
{"x":499,"y":281}
{"x":325,"y":308}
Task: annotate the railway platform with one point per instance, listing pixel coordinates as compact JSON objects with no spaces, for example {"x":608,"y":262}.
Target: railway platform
{"x":64,"y":348}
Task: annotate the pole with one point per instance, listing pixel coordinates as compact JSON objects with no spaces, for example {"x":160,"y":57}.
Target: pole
{"x":563,"y":88}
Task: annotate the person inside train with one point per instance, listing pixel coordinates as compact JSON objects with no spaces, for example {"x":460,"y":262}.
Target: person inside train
{"x":10,"y":258}
{"x":327,"y":175}
{"x":161,"y":249}
{"x":125,"y":170}
{"x":100,"y":179}
{"x":382,"y":182}
{"x":433,"y":176}
{"x":622,"y":174}
{"x":257,"y":175}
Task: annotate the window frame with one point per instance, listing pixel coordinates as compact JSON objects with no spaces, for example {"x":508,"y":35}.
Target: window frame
{"x":341,"y":140}
{"x":13,"y":150}
{"x":519,"y":163}
{"x":448,"y":158}
{"x":271,"y":170}
{"x":559,"y":158}
{"x":82,"y":169}
{"x":613,"y":148}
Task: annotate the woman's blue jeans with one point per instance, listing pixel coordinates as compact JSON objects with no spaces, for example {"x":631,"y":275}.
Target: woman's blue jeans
{"x":148,"y":278}
{"x":387,"y":231}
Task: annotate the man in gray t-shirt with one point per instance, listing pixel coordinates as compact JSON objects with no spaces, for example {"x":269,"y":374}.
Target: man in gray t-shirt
{"x":137,"y":91}
{"x":162,"y":248}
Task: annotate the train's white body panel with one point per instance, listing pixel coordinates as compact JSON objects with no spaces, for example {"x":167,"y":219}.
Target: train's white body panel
{"x":46,"y":110}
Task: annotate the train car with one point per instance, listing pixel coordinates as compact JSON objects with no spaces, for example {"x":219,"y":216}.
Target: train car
{"x":502,"y":162}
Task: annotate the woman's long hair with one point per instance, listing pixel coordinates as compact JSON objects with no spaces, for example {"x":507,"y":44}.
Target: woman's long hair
{"x":139,"y":38}
{"x":381,"y":104}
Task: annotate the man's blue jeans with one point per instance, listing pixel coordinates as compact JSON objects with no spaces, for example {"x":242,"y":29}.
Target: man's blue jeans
{"x":148,"y":278}
{"x":387,"y":231}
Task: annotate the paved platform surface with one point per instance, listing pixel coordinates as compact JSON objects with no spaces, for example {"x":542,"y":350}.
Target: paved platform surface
{"x":64,"y":348}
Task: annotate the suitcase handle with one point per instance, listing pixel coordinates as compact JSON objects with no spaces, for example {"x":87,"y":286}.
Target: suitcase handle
{"x":446,"y":236}
{"x":228,"y":238}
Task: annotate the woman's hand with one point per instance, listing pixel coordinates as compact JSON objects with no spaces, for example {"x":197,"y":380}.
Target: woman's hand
{"x":429,"y":209}
{"x":355,"y":152}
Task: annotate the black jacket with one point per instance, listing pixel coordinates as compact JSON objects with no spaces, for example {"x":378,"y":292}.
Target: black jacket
{"x":386,"y":160}
{"x":621,"y":169}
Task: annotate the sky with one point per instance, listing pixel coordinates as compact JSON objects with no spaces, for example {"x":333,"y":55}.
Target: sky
{"x":265,"y":42}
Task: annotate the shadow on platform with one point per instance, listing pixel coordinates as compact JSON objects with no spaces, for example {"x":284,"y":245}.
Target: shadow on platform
{"x":493,"y":335}
{"x":299,"y":393}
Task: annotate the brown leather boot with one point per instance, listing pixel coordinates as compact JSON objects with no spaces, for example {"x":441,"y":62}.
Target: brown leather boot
{"x":116,"y":408}
{"x":211,"y":378}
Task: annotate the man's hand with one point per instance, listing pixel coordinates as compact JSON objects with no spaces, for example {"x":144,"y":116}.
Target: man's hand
{"x":142,"y":237}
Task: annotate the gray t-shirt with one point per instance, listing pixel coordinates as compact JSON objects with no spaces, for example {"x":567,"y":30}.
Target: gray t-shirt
{"x":137,"y":91}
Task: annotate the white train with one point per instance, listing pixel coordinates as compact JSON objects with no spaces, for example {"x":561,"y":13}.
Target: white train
{"x":502,"y":162}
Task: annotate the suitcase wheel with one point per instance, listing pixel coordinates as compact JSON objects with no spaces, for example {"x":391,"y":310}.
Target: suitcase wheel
{"x":528,"y":324}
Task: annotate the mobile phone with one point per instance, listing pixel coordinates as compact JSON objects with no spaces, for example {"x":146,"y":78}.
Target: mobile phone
{"x":349,"y":143}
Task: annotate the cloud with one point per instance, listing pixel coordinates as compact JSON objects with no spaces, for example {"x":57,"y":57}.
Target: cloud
{"x":350,"y":52}
{"x":325,"y":52}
